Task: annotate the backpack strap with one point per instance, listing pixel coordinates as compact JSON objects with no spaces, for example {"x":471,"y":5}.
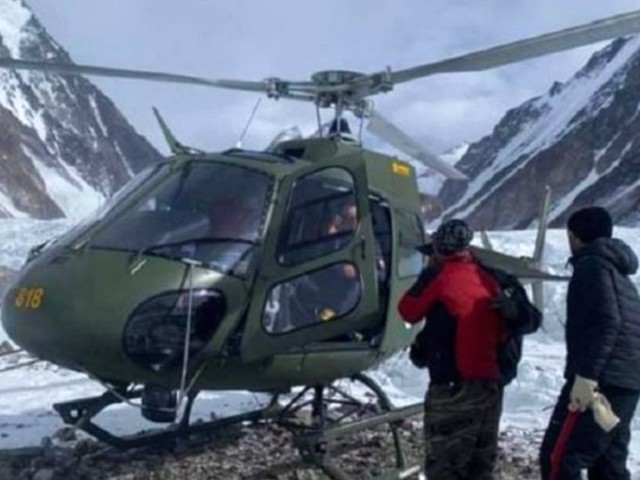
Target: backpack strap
{"x":529,"y":317}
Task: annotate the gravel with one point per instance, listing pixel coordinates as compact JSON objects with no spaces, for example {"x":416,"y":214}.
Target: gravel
{"x":256,"y":452}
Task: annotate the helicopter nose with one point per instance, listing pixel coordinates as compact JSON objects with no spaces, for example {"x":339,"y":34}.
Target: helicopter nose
{"x":34,"y":317}
{"x":71,"y":308}
{"x":24,"y":323}
{"x":93,"y":312}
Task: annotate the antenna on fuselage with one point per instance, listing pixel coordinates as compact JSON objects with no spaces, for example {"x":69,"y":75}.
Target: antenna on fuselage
{"x":246,"y":127}
{"x":174,"y":145}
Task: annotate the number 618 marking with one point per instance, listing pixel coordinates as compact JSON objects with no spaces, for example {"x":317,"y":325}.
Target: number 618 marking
{"x":30,"y":297}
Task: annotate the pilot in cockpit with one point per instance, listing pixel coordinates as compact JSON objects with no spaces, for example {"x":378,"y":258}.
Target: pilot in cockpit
{"x":232,"y":232}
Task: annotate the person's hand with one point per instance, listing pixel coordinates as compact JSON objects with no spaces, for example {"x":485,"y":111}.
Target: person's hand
{"x":583,"y":393}
{"x":603,"y":414}
{"x":349,"y":271}
{"x":326,"y":314}
{"x":506,"y":305}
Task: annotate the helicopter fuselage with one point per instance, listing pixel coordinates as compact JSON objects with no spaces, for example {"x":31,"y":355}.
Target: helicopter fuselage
{"x":225,"y":267}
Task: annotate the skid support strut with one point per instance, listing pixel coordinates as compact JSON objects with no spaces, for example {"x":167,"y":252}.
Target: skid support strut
{"x":335,"y":414}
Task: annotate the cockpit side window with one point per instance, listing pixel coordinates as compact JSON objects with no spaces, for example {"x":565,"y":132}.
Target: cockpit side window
{"x":322,"y":216}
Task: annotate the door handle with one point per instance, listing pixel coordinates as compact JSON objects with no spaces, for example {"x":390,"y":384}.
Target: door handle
{"x":363,"y":248}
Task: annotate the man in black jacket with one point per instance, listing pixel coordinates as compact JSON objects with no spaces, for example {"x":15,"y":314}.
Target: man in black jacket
{"x":603,"y":355}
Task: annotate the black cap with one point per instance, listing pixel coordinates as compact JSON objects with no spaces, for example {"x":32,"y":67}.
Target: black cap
{"x":450,"y":237}
{"x":591,"y":223}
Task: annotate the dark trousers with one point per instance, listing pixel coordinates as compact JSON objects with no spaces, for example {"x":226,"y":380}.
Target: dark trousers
{"x":589,"y":447}
{"x":461,"y":424}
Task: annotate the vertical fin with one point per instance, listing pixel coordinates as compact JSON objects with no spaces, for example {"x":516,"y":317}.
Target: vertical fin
{"x":538,"y":252}
{"x":486,"y":241}
{"x":537,"y":287}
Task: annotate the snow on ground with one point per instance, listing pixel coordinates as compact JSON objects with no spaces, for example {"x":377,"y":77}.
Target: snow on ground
{"x":26,"y":396}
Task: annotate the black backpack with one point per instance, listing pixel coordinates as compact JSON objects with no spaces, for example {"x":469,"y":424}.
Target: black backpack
{"x":528,"y":321}
{"x":510,"y":352}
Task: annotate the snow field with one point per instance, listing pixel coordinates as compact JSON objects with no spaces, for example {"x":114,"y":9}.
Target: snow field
{"x":26,"y":396}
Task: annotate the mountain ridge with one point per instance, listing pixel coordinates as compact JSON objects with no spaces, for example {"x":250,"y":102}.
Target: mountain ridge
{"x":578,"y":139}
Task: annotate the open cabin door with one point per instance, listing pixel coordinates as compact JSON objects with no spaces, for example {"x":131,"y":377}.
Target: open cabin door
{"x":317,"y":275}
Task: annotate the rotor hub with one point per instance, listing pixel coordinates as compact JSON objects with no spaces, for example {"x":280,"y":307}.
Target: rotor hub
{"x":342,"y":88}
{"x":336,"y":77}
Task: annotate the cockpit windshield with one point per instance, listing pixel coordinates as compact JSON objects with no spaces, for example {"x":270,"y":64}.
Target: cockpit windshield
{"x":211,"y":213}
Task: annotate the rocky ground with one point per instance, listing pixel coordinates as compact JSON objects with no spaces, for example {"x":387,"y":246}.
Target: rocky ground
{"x":251,"y":452}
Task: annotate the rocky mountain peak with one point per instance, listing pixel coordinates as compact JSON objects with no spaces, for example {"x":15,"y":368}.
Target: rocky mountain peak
{"x":64,"y":146}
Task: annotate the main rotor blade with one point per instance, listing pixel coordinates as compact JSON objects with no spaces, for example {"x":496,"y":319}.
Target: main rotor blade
{"x":387,"y":131}
{"x":74,"y":69}
{"x":616,"y":26}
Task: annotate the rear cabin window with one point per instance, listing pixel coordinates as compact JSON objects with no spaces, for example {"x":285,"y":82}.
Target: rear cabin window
{"x":321,"y":216}
{"x":317,"y":297}
{"x":410,"y":236}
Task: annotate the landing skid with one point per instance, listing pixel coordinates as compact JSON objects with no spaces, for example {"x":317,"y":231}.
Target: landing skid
{"x":80,"y":414}
{"x":319,"y":417}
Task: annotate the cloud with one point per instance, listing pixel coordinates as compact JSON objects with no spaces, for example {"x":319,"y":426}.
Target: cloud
{"x":292,"y":39}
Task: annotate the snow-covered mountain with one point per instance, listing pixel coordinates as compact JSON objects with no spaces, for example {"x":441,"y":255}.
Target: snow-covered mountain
{"x":64,"y":146}
{"x":582,"y":138}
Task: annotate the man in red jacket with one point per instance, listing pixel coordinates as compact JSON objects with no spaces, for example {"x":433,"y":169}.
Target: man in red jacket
{"x":463,"y":331}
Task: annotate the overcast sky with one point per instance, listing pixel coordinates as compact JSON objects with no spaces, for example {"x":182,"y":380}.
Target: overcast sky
{"x":293,"y":38}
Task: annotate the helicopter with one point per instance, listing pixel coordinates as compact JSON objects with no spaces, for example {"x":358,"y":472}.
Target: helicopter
{"x":255,"y":270}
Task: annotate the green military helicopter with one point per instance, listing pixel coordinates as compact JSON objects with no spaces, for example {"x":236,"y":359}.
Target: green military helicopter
{"x":252,"y":270}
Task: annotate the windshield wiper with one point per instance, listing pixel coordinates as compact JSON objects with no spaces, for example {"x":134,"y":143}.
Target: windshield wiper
{"x":137,"y":260}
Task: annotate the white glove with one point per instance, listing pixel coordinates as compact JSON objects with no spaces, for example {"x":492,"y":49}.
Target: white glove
{"x":603,"y":414}
{"x":583,"y":393}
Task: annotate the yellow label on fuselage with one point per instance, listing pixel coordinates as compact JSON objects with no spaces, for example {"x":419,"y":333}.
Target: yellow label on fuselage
{"x":29,"y":297}
{"x":401,"y":169}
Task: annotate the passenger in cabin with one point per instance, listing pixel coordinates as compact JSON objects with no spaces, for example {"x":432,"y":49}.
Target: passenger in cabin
{"x":327,"y":293}
{"x":347,"y":222}
{"x":341,"y":287}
